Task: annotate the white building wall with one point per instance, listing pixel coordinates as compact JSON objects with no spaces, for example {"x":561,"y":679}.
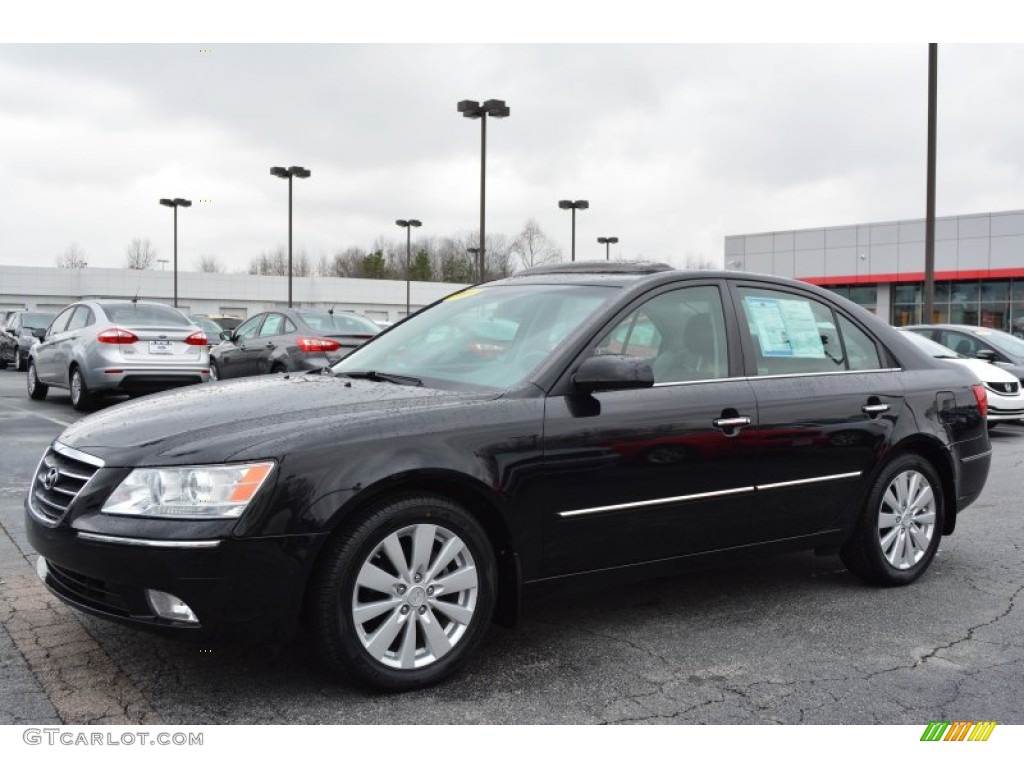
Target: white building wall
{"x":50,"y":288}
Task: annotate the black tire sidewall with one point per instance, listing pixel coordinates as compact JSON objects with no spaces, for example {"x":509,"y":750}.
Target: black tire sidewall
{"x":37,"y":389}
{"x":878,"y":568}
{"x":334,"y":628}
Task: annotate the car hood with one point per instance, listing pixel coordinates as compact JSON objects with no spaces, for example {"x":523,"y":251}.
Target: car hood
{"x":257,"y":417}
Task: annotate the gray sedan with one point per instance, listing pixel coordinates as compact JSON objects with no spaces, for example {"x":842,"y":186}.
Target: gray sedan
{"x":134,"y":347}
{"x":19,"y":335}
{"x":289,"y":340}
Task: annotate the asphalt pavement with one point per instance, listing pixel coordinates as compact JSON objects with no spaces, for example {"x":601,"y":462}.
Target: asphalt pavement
{"x":790,"y":639}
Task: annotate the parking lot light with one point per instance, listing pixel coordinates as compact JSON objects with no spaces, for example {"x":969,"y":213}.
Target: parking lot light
{"x":408,"y":224}
{"x":607,"y":242}
{"x":177,"y":202}
{"x":290,"y":173}
{"x":475,"y":110}
{"x":573,"y":205}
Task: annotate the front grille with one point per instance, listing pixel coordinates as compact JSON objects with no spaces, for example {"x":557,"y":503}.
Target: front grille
{"x":61,"y":476}
{"x":1003,"y":387}
{"x":85,"y":590}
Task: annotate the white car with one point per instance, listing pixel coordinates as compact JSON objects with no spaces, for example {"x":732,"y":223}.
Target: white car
{"x":1005,"y":397}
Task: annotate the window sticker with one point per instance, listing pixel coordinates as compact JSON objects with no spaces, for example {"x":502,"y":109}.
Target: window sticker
{"x":785,"y":327}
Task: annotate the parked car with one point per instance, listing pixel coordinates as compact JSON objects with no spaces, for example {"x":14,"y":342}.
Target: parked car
{"x":133,"y":347}
{"x":1004,"y":392}
{"x":212,"y":330}
{"x":18,"y":336}
{"x":399,"y":502}
{"x":289,"y":340}
{"x":225,"y":322}
{"x":988,"y":344}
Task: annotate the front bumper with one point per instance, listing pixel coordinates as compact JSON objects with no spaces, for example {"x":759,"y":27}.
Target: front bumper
{"x":237,"y":588}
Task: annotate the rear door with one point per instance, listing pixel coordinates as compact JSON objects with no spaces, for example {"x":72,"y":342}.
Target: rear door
{"x":827,"y":400}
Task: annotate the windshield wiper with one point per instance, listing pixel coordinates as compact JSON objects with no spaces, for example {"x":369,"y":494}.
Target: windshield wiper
{"x":394,"y":378}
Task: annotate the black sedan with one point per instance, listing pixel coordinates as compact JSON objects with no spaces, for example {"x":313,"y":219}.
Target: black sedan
{"x":573,"y":422}
{"x":20,"y":333}
{"x":289,"y":340}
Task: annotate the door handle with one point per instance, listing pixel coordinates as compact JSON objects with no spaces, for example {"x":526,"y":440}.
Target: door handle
{"x":271,"y":345}
{"x":733,"y":422}
{"x":873,"y":409}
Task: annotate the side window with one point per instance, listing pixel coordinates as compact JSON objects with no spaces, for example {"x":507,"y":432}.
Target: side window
{"x":791,"y":333}
{"x":860,"y":349}
{"x":272,"y":325}
{"x":61,"y":321}
{"x":249,"y":328}
{"x":682,"y":332}
{"x":963,"y":343}
{"x":289,"y":326}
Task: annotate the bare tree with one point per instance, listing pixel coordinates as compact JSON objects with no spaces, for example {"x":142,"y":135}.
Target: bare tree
{"x":699,"y":261}
{"x":500,"y":261}
{"x":209,"y":263}
{"x":532,"y":247}
{"x":140,"y":254}
{"x":73,"y":257}
{"x":276,"y":263}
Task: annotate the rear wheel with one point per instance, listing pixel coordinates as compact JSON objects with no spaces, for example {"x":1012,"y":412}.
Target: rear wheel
{"x":81,"y":397}
{"x":403,"y":597}
{"x":901,"y":525}
{"x":36,"y":390}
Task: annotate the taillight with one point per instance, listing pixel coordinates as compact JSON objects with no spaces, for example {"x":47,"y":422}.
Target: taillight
{"x":117,"y":336}
{"x":982,"y":398}
{"x":313,"y":344}
{"x":197,"y":339}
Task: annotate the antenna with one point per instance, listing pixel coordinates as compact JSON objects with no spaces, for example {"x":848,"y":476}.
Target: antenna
{"x":138,"y":288}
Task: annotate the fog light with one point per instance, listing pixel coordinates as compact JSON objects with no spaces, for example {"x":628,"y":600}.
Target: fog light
{"x":169,"y":607}
{"x":41,"y":569}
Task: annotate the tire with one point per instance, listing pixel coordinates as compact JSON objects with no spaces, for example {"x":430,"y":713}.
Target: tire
{"x":81,"y":397}
{"x":36,"y":389}
{"x":278,"y":368}
{"x":19,"y":361}
{"x":214,"y":371}
{"x":385,"y":629}
{"x":901,"y":525}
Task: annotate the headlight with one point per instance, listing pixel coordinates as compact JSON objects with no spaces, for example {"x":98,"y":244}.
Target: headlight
{"x":211,"y":492}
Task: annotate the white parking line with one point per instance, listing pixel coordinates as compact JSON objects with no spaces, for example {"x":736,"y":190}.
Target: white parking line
{"x":37,"y":415}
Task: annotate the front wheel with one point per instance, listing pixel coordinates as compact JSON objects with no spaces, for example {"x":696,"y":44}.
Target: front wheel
{"x":214,"y":371}
{"x":901,"y":524}
{"x":403,"y":597}
{"x":36,"y":389}
{"x":19,"y":361}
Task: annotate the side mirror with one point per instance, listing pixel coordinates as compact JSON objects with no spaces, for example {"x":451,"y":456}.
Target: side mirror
{"x":988,"y":355}
{"x":39,"y":333}
{"x":613,"y":372}
{"x":225,"y":335}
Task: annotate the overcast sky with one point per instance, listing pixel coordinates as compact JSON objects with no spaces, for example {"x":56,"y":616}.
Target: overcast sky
{"x":675,"y":146}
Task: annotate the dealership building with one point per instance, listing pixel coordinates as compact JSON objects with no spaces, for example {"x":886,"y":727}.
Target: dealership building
{"x":979,"y":266}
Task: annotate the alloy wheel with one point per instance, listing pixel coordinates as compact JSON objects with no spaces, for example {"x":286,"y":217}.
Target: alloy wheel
{"x":906,"y":519}
{"x":414,"y":596}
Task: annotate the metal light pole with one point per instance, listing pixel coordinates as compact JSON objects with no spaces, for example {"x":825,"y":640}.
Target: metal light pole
{"x":573,"y":205}
{"x":607,"y":242}
{"x":288,"y":173}
{"x":929,"y":222}
{"x":474,"y":110}
{"x":178,"y":202}
{"x":475,"y":253}
{"x":408,"y":224}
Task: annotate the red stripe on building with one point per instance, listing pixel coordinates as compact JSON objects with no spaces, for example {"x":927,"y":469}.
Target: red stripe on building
{"x":914,"y":277}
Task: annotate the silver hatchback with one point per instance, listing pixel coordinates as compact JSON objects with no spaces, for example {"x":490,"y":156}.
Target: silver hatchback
{"x":133,"y":347}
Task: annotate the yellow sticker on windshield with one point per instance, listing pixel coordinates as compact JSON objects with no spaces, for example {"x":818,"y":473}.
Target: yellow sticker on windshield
{"x":464,"y":294}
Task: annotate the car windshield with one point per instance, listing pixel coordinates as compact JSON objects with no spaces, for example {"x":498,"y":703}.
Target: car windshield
{"x":327,"y":322}
{"x":490,"y":337}
{"x":35,"y":320}
{"x":144,"y":314}
{"x":207,"y":325}
{"x":1002,"y":341}
{"x":930,"y":347}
